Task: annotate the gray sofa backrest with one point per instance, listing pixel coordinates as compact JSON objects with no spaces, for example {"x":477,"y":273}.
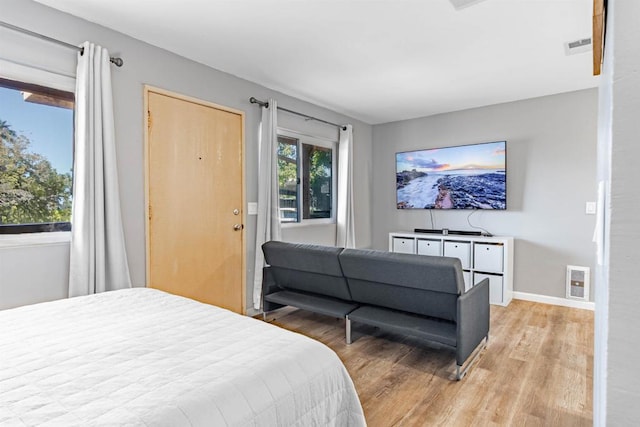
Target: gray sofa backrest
{"x":307,"y":268}
{"x":417,"y":284}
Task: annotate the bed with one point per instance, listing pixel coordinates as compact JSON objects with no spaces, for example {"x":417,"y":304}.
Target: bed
{"x":144,"y":357}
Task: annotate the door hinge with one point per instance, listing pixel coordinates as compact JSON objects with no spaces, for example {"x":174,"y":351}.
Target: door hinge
{"x":149,"y":121}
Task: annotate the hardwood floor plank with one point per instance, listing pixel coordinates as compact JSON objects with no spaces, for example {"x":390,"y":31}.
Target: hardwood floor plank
{"x":536,"y":371}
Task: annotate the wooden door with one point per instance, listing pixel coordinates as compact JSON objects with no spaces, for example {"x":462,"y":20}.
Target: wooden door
{"x":195,"y":198}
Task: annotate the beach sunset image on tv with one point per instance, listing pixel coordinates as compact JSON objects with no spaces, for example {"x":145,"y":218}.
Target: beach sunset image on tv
{"x":461,"y":177}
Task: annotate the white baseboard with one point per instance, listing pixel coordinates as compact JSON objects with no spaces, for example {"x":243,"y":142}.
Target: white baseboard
{"x":564,"y":302}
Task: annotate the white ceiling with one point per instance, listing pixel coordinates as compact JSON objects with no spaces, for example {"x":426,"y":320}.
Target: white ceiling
{"x":374,"y":60}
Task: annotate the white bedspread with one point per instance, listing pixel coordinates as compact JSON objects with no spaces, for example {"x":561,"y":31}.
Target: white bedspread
{"x":144,"y":357}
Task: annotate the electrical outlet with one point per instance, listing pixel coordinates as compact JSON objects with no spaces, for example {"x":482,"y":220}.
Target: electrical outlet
{"x":252,"y":208}
{"x":590,"y":208}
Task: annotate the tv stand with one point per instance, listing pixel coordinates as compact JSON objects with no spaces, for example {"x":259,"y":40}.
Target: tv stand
{"x":446,"y":232}
{"x":481,"y":257}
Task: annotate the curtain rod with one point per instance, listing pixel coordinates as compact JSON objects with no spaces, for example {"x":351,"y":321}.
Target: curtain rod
{"x":266,"y":105}
{"x":114,"y":60}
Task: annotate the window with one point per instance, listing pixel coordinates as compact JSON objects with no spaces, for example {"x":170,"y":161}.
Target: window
{"x":306,"y":178}
{"x":36,"y":158}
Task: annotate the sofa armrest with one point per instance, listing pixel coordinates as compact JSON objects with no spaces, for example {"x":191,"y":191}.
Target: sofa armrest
{"x":473,"y":320}
{"x":269,"y":286}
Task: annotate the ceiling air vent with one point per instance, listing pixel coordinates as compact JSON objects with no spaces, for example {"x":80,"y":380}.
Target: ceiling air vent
{"x":578,"y":46}
{"x":461,"y":4}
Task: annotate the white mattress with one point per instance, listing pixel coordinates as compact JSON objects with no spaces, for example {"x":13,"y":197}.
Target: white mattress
{"x":144,"y":357}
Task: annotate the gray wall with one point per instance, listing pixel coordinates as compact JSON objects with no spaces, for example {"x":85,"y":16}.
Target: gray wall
{"x":24,"y":282}
{"x":617,"y":388}
{"x":551,"y":173}
{"x":145,"y":64}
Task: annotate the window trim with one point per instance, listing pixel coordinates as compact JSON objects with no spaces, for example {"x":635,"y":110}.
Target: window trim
{"x":37,"y":76}
{"x":43,"y":227}
{"x":34,"y":239}
{"x":319,"y":141}
{"x":26,"y":86}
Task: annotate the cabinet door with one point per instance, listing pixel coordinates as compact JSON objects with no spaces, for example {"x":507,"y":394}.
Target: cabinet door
{"x":467,"y":280}
{"x":429,"y":247}
{"x":403,"y":245}
{"x":461,"y":250}
{"x":488,"y":257}
{"x":495,"y":286}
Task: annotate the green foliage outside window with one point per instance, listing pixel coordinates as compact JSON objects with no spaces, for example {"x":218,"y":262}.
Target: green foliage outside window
{"x":287,"y":166}
{"x":31,"y":190}
{"x":319,"y":182}
{"x":305,"y":180}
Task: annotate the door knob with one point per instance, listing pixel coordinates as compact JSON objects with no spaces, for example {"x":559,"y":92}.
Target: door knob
{"x":238,"y":227}
{"x":236,"y":212}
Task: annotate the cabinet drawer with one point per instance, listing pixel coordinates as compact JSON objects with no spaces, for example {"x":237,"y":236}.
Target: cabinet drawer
{"x":461,"y":250}
{"x":488,"y":257}
{"x":467,"y":280}
{"x":495,"y":286}
{"x":429,"y":247}
{"x":403,"y":245}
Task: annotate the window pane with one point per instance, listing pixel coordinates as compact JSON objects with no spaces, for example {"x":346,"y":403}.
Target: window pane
{"x":288,"y":178}
{"x":36,"y":155}
{"x":316,"y":181}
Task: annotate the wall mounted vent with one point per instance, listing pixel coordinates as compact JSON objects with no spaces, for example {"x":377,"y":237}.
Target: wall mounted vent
{"x":578,"y":282}
{"x":577,"y":46}
{"x":461,"y":4}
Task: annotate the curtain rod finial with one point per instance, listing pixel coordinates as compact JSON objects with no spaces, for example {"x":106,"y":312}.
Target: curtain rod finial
{"x":118,"y":62}
{"x":264,"y":104}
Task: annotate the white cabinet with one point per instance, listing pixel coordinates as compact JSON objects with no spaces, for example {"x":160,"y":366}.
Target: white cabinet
{"x":495,"y":286}
{"x":429,"y":247}
{"x":488,"y":257}
{"x":466,"y":275}
{"x":461,"y":250}
{"x":481,"y":257}
{"x":403,"y":245}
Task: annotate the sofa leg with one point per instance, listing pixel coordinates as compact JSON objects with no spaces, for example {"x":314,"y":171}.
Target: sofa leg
{"x":347,"y":323}
{"x":460,"y":373}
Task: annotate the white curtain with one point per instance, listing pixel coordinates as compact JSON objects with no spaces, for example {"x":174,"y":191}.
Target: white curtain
{"x":345,"y":231}
{"x":268,"y":222}
{"x":98,"y":259}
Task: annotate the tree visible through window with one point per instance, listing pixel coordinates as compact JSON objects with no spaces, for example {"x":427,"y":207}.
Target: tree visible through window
{"x":317,"y":177}
{"x":36,"y":155}
{"x":288,"y":178}
{"x":305,"y":177}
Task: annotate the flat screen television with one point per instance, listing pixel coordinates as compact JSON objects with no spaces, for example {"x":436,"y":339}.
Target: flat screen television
{"x":461,"y":177}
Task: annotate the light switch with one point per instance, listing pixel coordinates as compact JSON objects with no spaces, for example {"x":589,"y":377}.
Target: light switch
{"x":252,"y":208}
{"x":590,"y":208}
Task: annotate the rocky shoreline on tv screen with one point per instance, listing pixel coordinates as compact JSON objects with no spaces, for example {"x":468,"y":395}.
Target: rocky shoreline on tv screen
{"x":476,"y":191}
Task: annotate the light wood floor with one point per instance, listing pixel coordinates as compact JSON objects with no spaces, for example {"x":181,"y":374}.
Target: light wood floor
{"x":536,"y":371}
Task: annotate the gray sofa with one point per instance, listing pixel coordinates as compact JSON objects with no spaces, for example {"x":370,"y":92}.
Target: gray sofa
{"x":416,"y":295}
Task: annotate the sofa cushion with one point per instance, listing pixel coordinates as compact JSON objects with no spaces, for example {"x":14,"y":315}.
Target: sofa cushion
{"x":402,"y":298}
{"x":418,"y":284}
{"x":422,"y":327}
{"x":308,"y":268}
{"x":315,"y":303}
{"x":433,"y":273}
